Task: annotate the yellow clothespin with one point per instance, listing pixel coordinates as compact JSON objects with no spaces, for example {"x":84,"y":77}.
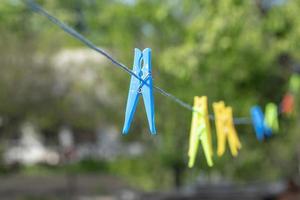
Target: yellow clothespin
{"x":225,"y":129}
{"x":200,"y":131}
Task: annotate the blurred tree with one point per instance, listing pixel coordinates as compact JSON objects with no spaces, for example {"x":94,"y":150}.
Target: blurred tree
{"x":227,"y":50}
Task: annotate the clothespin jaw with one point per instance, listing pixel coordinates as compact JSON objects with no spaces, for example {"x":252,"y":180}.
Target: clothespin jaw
{"x":257,"y":120}
{"x":147,"y":90}
{"x":271,"y":117}
{"x":194,"y":140}
{"x":205,"y":136}
{"x":233,"y":139}
{"x":138,"y":87}
{"x":260,"y":128}
{"x":200,"y":131}
{"x":219,"y":109}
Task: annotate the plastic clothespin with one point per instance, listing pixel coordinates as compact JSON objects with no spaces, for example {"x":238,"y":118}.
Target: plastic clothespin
{"x":200,"y":131}
{"x":260,"y":127}
{"x":225,"y":129}
{"x":287,"y":104}
{"x":138,"y":87}
{"x":271,"y":117}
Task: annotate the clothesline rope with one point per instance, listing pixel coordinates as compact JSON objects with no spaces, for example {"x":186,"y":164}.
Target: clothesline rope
{"x":37,"y":8}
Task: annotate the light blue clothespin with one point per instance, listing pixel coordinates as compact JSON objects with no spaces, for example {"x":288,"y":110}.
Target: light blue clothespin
{"x":138,"y":87}
{"x":261,"y":129}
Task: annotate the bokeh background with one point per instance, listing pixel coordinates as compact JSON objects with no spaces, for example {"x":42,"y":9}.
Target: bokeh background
{"x":62,"y":105}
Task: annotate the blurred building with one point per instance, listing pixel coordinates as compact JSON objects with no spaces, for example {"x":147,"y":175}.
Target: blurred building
{"x":29,"y":149}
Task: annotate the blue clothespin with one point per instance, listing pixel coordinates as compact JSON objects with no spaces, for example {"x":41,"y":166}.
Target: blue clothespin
{"x":261,"y":129}
{"x":138,"y":87}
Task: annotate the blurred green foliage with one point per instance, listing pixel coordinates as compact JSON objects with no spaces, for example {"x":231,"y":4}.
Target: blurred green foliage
{"x":234,"y":50}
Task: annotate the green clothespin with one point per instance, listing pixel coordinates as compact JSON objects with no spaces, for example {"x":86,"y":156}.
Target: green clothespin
{"x":271,"y":117}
